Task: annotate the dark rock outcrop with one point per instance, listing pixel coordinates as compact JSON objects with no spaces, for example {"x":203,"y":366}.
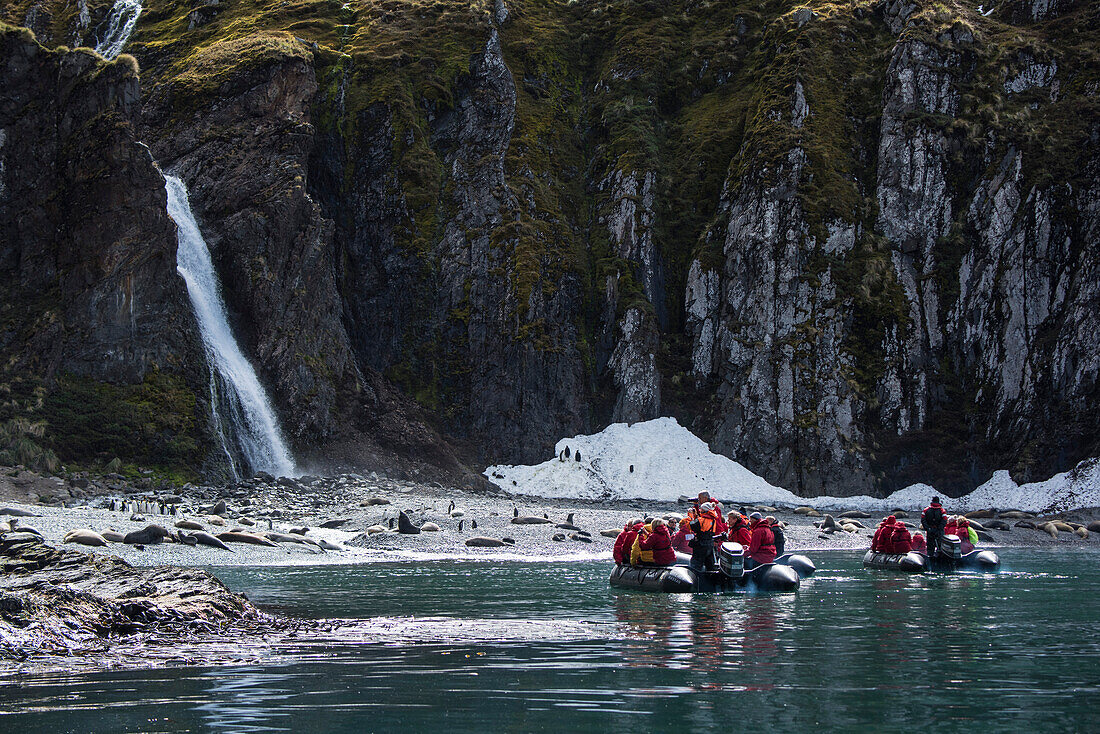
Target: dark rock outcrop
{"x":67,"y":602}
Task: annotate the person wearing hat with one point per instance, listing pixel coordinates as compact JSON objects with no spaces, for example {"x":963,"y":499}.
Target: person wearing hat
{"x":681,"y":539}
{"x":762,"y":546}
{"x":881,"y":542}
{"x":933,"y":521}
{"x":739,"y":529}
{"x":704,"y":525}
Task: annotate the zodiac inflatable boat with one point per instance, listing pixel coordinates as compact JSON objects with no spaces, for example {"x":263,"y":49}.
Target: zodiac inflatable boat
{"x":782,"y":575}
{"x":951,"y":558}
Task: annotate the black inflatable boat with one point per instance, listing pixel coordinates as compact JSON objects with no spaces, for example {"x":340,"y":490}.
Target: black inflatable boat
{"x":951,"y":558}
{"x":782,"y":575}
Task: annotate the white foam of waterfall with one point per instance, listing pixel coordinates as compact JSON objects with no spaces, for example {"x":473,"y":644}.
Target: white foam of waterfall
{"x":242,"y":405}
{"x":120,"y":25}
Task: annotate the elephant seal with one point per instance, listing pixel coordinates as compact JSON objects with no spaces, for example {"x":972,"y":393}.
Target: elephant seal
{"x":188,"y":525}
{"x":457,"y":514}
{"x":326,"y":545}
{"x":483,"y":542}
{"x":429,"y":527}
{"x":16,"y":512}
{"x":1094,"y":526}
{"x":508,"y":541}
{"x":288,"y":538}
{"x":1064,"y":527}
{"x":251,"y":539}
{"x":610,"y":533}
{"x":996,"y":525}
{"x":375,"y":529}
{"x":84,"y":536}
{"x":529,"y":520}
{"x":804,"y":510}
{"x":246,"y":521}
{"x":1049,"y":527}
{"x":204,"y":538}
{"x":405,"y":526}
{"x":566,"y":526}
{"x":852,"y":514}
{"x":371,"y":501}
{"x":333,"y":524}
{"x":185,"y":539}
{"x":1026,"y":524}
{"x":113,"y":536}
{"x":1082,"y":532}
{"x":215,"y":520}
{"x":149,"y":535}
{"x":980,"y":514}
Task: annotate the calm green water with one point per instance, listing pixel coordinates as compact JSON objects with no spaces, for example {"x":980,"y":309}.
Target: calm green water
{"x":533,"y":647}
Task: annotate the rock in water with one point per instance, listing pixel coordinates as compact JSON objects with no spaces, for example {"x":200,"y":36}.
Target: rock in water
{"x":529,"y":520}
{"x":406,"y":526}
{"x":483,"y":542}
{"x":84,"y":536}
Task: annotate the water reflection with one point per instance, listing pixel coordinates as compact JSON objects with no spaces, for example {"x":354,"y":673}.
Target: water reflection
{"x":245,"y":699}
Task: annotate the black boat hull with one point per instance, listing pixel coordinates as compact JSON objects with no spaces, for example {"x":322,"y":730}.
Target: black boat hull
{"x":915,"y":562}
{"x":683,"y":579}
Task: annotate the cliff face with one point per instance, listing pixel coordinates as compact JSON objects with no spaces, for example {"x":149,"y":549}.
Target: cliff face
{"x":851,"y":244}
{"x":92,"y":306}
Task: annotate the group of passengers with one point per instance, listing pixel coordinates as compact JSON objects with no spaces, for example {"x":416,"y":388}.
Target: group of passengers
{"x":892,"y":535}
{"x":649,"y":542}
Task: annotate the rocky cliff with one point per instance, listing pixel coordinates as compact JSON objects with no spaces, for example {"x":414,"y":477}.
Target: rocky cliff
{"x":853,"y":245}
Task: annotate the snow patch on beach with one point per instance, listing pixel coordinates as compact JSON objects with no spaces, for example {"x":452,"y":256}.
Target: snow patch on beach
{"x":669,"y":461}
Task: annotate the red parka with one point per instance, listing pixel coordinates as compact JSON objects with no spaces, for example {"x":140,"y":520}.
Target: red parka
{"x":740,"y":533}
{"x":660,"y":542}
{"x":902,"y":541}
{"x":881,"y":542}
{"x":624,"y":542}
{"x":919,"y":543}
{"x":762,"y":545}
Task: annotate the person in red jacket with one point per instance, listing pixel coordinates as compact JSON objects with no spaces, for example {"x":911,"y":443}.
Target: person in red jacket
{"x":681,"y":539}
{"x":880,"y":543}
{"x":660,"y":542}
{"x":625,"y":541}
{"x":901,"y":540}
{"x":739,"y":529}
{"x":919,"y":544}
{"x":952,"y":526}
{"x":963,"y":527}
{"x":761,"y":548}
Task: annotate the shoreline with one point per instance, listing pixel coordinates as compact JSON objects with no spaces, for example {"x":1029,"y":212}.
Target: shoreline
{"x":284,"y":505}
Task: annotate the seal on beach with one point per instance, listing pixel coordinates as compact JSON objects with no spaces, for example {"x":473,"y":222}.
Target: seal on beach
{"x":16,"y":512}
{"x":326,"y":545}
{"x":204,"y":538}
{"x":113,"y":536}
{"x":235,"y":537}
{"x":375,"y":529}
{"x":84,"y":536}
{"x":371,"y":501}
{"x":149,"y":535}
{"x":579,"y":537}
{"x":529,"y":520}
{"x":405,"y":526}
{"x":188,"y":525}
{"x":333,"y":524}
{"x":610,"y":532}
{"x":483,"y":542}
{"x":430,"y":527}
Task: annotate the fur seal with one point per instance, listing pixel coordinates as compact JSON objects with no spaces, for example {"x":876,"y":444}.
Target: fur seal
{"x":297,"y":531}
{"x":188,"y":525}
{"x":1093,"y":527}
{"x":333,"y":524}
{"x":804,"y":510}
{"x":852,"y":514}
{"x":508,"y":541}
{"x":980,"y":514}
{"x":1049,"y":527}
{"x":246,"y":521}
{"x":185,"y":539}
{"x":529,"y":520}
{"x":204,"y":538}
{"x":1063,"y":526}
{"x":558,"y":537}
{"x":580,"y":538}
{"x":234,"y":537}
{"x":371,"y":501}
{"x":566,"y":526}
{"x":997,"y":525}
{"x":1081,"y":532}
{"x":610,"y":533}
{"x":405,"y":526}
{"x":215,"y":520}
{"x":483,"y":542}
{"x":83,"y":536}
{"x":325,"y":545}
{"x":149,"y":535}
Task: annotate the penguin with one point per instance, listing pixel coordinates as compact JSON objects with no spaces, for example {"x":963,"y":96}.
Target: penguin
{"x":569,"y":519}
{"x":391,"y":523}
{"x":577,"y":455}
{"x":567,"y":452}
{"x":473,"y":524}
{"x":515,"y":511}
{"x":546,"y":516}
{"x":452,"y":507}
{"x":631,"y":468}
{"x":269,"y":525}
{"x":460,"y":525}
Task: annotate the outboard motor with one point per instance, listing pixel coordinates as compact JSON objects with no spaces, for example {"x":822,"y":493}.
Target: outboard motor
{"x":731,"y":559}
{"x":951,"y":547}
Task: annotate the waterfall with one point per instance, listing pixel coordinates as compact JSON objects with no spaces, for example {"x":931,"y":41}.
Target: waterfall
{"x":120,"y":25}
{"x":238,"y":399}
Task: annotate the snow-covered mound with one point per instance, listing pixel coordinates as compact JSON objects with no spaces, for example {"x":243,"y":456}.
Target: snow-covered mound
{"x":661,"y":460}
